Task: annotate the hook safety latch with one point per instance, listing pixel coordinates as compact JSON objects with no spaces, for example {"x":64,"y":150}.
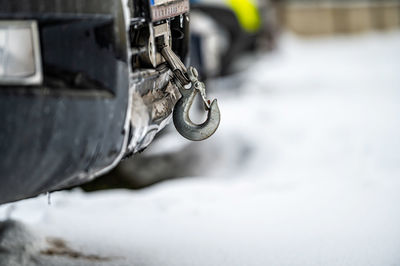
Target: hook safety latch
{"x":183,"y":79}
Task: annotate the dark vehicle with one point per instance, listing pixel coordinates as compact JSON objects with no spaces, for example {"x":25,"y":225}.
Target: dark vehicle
{"x":83,"y":84}
{"x":225,"y":31}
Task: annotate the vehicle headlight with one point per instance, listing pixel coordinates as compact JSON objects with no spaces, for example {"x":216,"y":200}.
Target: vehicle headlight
{"x":20,"y":59}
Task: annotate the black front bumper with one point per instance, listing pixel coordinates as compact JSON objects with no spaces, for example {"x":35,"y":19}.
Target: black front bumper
{"x":92,"y":108}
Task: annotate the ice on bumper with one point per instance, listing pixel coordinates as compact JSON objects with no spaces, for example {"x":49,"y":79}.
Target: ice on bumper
{"x":20,"y":59}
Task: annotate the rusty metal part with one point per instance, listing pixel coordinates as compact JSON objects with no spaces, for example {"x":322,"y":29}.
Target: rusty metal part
{"x":154,"y":97}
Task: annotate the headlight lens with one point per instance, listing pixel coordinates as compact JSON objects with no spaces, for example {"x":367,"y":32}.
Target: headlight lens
{"x":20,"y":59}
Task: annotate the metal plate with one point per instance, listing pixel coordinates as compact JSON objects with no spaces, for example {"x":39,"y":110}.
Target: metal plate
{"x":162,"y":9}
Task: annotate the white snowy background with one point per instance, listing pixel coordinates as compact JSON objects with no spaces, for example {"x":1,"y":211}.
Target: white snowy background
{"x":304,"y":170}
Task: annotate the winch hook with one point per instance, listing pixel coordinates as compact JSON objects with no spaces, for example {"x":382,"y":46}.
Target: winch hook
{"x":183,"y":124}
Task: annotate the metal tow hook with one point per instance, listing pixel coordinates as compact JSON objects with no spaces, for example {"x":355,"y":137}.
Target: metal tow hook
{"x":182,"y":121}
{"x":183,"y":78}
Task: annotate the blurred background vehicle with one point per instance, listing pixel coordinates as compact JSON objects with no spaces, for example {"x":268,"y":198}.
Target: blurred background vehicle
{"x":224,"y":31}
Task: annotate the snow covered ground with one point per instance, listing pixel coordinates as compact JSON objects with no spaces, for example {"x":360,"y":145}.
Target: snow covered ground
{"x":305,"y":170}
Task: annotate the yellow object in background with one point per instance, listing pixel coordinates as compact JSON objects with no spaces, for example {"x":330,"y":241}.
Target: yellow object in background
{"x":247,"y":13}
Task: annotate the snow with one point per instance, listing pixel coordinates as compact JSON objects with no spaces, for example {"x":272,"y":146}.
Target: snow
{"x":304,"y":170}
